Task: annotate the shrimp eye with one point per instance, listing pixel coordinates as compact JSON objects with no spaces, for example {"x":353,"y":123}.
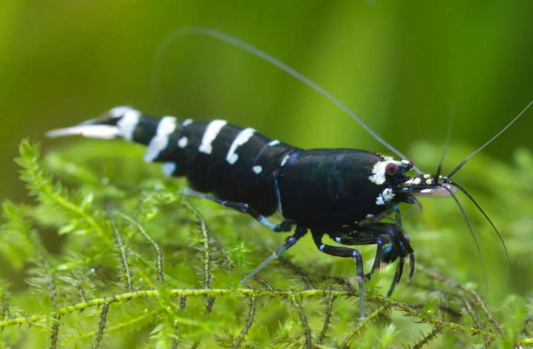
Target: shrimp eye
{"x":391,"y":169}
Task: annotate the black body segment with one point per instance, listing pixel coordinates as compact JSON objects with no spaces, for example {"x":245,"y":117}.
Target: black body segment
{"x":334,"y":184}
{"x":146,"y":129}
{"x":319,"y":189}
{"x":323,"y":189}
{"x":234,"y":164}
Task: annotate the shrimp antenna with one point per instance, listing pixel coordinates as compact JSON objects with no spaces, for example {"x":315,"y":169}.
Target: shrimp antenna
{"x":266,"y":57}
{"x":461,"y":188}
{"x":446,"y":145}
{"x":461,"y":164}
{"x":473,"y":234}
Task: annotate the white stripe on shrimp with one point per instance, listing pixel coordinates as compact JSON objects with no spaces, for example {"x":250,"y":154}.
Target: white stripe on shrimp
{"x":166,"y":127}
{"x":127,"y":123}
{"x":241,"y":139}
{"x":211,"y":132}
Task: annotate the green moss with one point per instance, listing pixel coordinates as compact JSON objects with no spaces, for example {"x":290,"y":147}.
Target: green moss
{"x":109,"y":255}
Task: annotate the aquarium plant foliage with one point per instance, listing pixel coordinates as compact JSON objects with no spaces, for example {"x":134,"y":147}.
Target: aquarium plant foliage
{"x":106,"y":253}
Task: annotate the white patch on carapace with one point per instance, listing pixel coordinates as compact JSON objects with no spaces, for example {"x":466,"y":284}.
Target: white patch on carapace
{"x":257,"y":169}
{"x":211,"y":132}
{"x":386,"y":196}
{"x":91,"y":131}
{"x":378,"y":171}
{"x":338,"y":239}
{"x":182,"y":143}
{"x":169,"y":168}
{"x":274,"y":143}
{"x":186,"y":123}
{"x":427,"y":176}
{"x":285,"y":159}
{"x":428,"y":182}
{"x":369,"y":216}
{"x":165,"y":128}
{"x":243,"y":137}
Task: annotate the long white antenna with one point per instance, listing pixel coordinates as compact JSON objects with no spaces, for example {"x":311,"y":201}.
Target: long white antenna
{"x":461,"y":164}
{"x":265,"y":56}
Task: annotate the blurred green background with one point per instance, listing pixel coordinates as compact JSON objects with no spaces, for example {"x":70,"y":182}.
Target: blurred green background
{"x":404,"y":67}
